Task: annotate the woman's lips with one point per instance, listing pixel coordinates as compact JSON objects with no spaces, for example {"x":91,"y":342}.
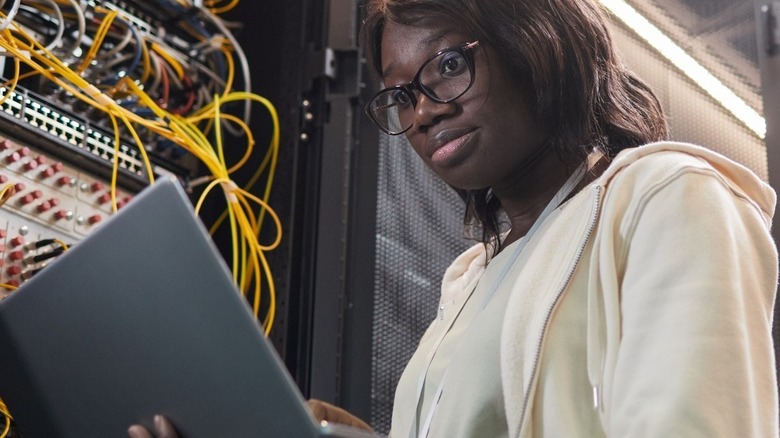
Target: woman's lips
{"x":446,"y":145}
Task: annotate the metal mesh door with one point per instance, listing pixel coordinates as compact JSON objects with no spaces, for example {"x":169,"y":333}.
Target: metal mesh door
{"x":419,"y":221}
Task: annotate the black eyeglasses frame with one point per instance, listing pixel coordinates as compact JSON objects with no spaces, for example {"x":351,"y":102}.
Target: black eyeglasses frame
{"x":465,"y":49}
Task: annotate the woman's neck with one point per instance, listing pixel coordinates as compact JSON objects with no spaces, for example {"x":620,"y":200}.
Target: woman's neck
{"x":525,"y":204}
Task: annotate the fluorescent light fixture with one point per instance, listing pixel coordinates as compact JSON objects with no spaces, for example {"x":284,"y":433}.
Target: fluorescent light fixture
{"x":689,"y":66}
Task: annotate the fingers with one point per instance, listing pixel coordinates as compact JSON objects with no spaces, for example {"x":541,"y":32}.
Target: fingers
{"x":327,"y":412}
{"x":138,"y":431}
{"x":319,"y":410}
{"x":162,"y":429}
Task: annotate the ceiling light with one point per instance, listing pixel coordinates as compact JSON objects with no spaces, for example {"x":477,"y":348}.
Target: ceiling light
{"x":689,"y":66}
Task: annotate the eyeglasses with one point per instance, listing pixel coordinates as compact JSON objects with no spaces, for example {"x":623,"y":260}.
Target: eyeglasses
{"x":444,"y":77}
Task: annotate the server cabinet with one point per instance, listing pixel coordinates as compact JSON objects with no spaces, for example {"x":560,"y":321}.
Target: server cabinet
{"x":369,"y":230}
{"x":304,"y":58}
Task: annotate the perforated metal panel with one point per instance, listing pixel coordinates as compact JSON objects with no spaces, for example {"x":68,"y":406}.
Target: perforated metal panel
{"x":721,"y":36}
{"x":419,"y":220}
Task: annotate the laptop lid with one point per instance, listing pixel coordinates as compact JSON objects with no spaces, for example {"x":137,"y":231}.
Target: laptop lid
{"x":141,"y":318}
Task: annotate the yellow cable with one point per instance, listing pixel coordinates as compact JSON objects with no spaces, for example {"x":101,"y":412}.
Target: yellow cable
{"x":272,"y":154}
{"x":270,"y":316}
{"x":8,"y":418}
{"x":239,"y":267}
{"x":13,"y":81}
{"x":110,"y":104}
{"x":258,"y":253}
{"x":146,"y":60}
{"x":218,"y":132}
{"x":252,"y":180}
{"x":231,"y":70}
{"x":4,"y":408}
{"x":6,"y":192}
{"x":222,"y":9}
{"x":274,"y":148}
{"x":115,"y":162}
{"x":248,"y":249}
{"x":245,"y":220}
{"x":234,"y":234}
{"x":268,"y":323}
{"x":252,"y":257}
{"x":7,"y":426}
{"x":248,"y":252}
{"x":255,"y":264}
{"x":139,"y":143}
{"x":248,"y":224}
{"x":97,"y":41}
{"x":175,"y":64}
{"x":241,"y":125}
{"x":278,"y":223}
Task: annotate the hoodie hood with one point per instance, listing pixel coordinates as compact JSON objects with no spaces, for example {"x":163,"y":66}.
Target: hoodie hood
{"x":739,"y":177}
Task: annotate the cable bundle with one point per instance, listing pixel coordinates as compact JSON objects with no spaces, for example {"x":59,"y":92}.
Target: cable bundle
{"x":8,"y":419}
{"x":152,"y":85}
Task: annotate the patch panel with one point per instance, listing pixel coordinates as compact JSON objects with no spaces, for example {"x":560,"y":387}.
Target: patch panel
{"x":18,"y":250}
{"x":53,"y":193}
{"x":152,"y":21}
{"x":43,"y":118}
{"x":11,"y":104}
{"x":134,"y":16}
{"x":52,"y":122}
{"x":147,"y":18}
{"x":102,"y":145}
{"x":51,"y":200}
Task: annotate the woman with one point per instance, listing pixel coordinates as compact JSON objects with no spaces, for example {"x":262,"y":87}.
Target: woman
{"x":632,"y":291}
{"x":647,"y":292}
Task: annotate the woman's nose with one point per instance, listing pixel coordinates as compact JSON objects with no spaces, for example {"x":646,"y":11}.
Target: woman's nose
{"x":428,"y":112}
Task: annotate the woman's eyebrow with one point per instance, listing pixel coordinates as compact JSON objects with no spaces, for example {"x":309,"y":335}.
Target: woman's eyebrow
{"x":424,"y":44}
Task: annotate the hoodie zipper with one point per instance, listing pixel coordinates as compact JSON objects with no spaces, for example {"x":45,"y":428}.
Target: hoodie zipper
{"x":569,"y":275}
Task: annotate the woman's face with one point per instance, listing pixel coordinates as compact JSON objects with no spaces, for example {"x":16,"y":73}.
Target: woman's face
{"x":485,"y":138}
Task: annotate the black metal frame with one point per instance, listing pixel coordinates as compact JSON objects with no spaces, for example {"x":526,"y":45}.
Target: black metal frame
{"x":768,"y":19}
{"x":324,"y":192}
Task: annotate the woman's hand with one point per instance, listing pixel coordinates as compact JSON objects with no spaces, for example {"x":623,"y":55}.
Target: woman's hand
{"x":162,"y":429}
{"x":332,"y":414}
{"x":321,"y":410}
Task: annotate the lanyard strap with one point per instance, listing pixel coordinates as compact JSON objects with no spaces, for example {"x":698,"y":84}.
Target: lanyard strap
{"x":556,"y":200}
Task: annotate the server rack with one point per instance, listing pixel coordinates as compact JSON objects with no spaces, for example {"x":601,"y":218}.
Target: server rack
{"x":305,"y":59}
{"x":334,"y":268}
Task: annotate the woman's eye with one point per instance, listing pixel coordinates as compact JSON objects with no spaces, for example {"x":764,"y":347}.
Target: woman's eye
{"x":452,"y":64}
{"x":399,"y":97}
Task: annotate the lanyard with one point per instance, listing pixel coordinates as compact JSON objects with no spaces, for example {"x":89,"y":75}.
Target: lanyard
{"x":559,"y":197}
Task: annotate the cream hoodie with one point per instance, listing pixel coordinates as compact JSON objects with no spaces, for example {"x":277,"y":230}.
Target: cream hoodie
{"x":645,"y":307}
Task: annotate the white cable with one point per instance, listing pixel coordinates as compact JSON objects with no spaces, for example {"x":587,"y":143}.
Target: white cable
{"x":121,"y":45}
{"x":78,"y":8}
{"x":11,"y":15}
{"x":60,"y":22}
{"x":242,"y":61}
{"x":156,"y":63}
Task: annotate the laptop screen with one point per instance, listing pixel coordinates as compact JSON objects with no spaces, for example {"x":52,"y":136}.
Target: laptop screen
{"x":140,"y":318}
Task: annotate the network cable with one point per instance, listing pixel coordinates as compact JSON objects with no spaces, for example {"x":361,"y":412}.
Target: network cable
{"x":125,"y":65}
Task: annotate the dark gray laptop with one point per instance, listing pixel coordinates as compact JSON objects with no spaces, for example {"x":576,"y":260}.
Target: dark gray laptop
{"x":141,"y":318}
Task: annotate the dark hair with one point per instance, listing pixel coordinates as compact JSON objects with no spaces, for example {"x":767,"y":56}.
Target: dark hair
{"x":579,"y":91}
